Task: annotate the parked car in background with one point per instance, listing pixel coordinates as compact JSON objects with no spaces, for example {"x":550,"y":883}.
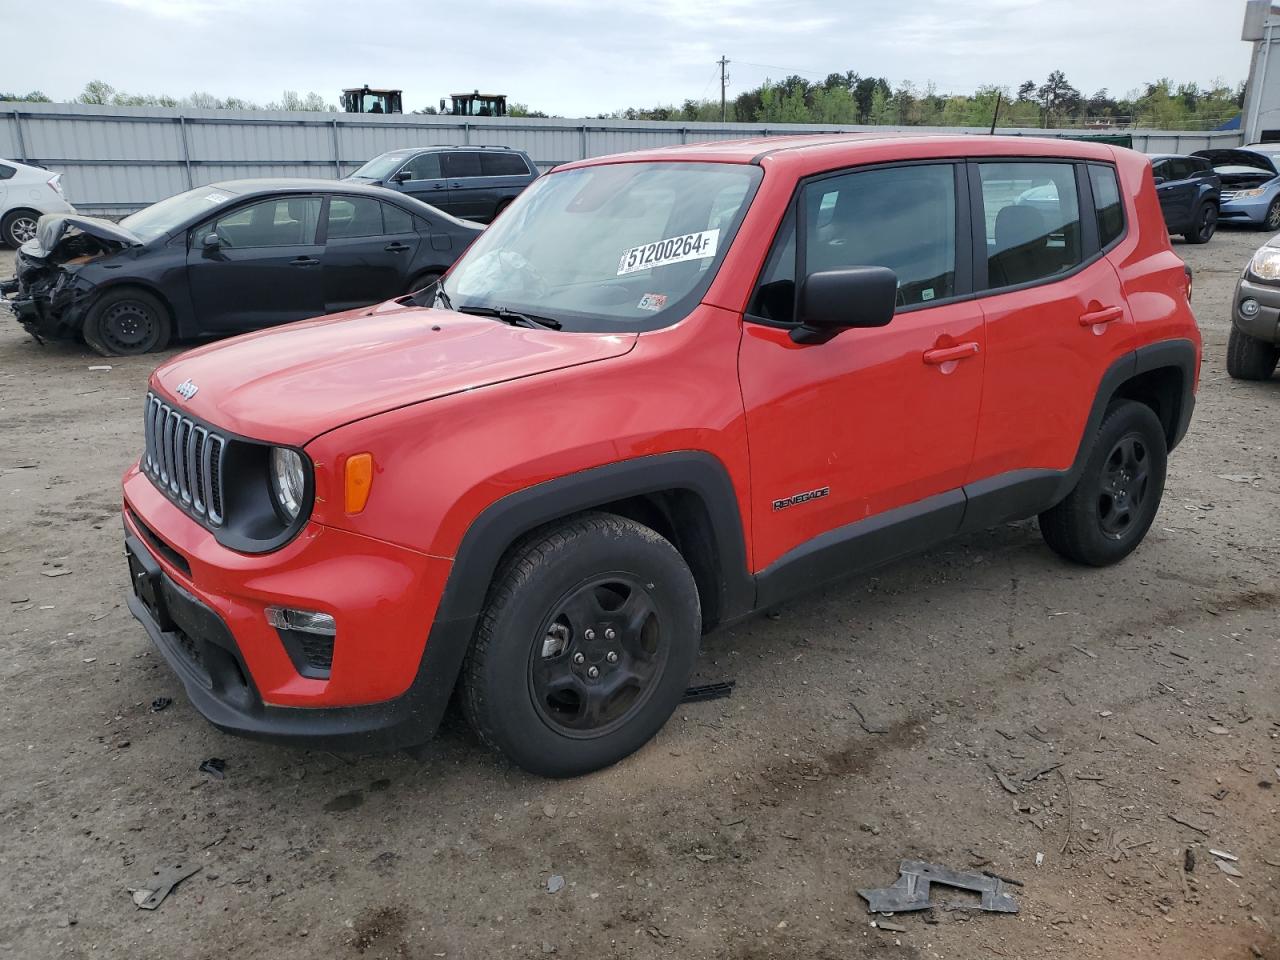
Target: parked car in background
{"x":665,"y":390}
{"x":227,"y":258}
{"x":1189,"y":193}
{"x":475,"y":183}
{"x":1253,"y":347}
{"x":26,"y":192}
{"x":1250,"y":183}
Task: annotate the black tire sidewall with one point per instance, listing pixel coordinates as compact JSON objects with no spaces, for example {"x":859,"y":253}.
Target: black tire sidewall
{"x":510,"y":720}
{"x":1125,"y":419}
{"x":93,"y":320}
{"x":1249,"y":358}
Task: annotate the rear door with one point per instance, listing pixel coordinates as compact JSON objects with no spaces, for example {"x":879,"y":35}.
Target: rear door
{"x":469,"y":196}
{"x":369,"y":248}
{"x":426,"y":181}
{"x":1177,"y":193}
{"x":265,"y":268}
{"x":1055,"y":315}
{"x":505,"y":174}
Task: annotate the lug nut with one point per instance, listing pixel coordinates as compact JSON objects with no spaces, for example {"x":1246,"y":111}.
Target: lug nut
{"x":610,"y":633}
{"x":593,"y":672}
{"x":589,"y":634}
{"x":579,"y":658}
{"x":612,"y":657}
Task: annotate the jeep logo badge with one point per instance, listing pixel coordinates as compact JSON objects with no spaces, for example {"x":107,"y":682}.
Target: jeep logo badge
{"x":186,"y":389}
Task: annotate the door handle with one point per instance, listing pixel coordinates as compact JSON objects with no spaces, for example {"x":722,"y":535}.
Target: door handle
{"x":303,"y":262}
{"x":438,"y":186}
{"x":396,"y":247}
{"x":941,"y":355}
{"x":1106,"y":315}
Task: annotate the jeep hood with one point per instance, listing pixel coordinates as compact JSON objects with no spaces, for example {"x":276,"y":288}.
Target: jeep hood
{"x":1239,"y":158}
{"x":290,"y":384}
{"x":54,"y":229}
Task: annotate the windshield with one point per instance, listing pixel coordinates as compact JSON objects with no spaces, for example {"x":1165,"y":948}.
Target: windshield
{"x":381,"y":167}
{"x":617,"y":247}
{"x":162,"y":217}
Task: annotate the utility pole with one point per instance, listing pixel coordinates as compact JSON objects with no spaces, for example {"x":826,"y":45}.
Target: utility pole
{"x":724,"y":80}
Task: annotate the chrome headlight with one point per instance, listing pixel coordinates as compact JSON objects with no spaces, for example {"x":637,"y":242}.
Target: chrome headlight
{"x":1249,"y":194}
{"x":288,"y":481}
{"x":1265,"y":264}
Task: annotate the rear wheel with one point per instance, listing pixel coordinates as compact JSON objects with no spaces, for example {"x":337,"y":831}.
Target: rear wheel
{"x":421,"y":281}
{"x":1249,"y":358}
{"x":1115,"y":500}
{"x":18,"y":226}
{"x":1204,"y":225}
{"x":584,"y":648}
{"x":127,"y":322}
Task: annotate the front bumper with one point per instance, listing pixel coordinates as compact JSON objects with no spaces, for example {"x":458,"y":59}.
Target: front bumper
{"x":203,"y":606}
{"x":1252,"y":210}
{"x":1265,"y":324}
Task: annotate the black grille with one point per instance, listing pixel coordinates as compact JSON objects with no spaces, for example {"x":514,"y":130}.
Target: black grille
{"x":184,"y":459}
{"x":318,"y":651}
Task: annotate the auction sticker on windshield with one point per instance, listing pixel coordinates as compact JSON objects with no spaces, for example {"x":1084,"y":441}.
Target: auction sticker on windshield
{"x":692,"y":246}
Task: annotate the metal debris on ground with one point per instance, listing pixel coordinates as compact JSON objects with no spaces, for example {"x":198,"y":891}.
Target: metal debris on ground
{"x":889,"y":926}
{"x":709,"y":691}
{"x":161,"y":885}
{"x":912,"y":890}
{"x":555,"y":884}
{"x":1229,"y":869}
{"x":215,"y":767}
{"x":1223,"y":855}
{"x":159,"y":703}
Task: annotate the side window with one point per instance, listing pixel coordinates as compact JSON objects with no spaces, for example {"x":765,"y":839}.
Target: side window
{"x":7,"y":171}
{"x":1032,"y":218}
{"x":461,"y":163}
{"x":500,"y":163}
{"x":281,"y":222}
{"x":354,"y":217}
{"x":903,"y":218}
{"x":395,"y":220}
{"x":1179,"y":169}
{"x":1106,"y":201}
{"x":425,"y":166}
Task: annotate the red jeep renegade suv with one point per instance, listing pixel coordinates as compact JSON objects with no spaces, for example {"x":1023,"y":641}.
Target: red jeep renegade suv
{"x":662,"y":391}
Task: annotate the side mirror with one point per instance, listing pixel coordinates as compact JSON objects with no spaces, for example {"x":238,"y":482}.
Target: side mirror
{"x":1158,"y":180}
{"x":401,"y":176}
{"x":211,"y":241}
{"x":832,"y":300}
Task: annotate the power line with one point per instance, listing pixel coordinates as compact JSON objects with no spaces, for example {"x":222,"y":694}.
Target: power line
{"x":774,"y":66}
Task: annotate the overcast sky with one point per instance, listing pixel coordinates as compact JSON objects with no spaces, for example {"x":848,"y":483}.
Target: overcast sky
{"x":582,"y":57}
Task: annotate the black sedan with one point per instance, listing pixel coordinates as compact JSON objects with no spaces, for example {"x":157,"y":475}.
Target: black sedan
{"x":227,"y":258}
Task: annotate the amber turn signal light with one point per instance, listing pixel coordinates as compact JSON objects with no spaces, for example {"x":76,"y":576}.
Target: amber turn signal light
{"x":359,"y":481}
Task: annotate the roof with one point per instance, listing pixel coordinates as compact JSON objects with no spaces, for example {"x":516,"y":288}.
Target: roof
{"x":831,"y":150}
{"x":302,"y":185}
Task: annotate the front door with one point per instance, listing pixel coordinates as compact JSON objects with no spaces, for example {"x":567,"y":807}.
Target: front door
{"x":264,"y":268}
{"x":874,"y":419}
{"x":426,"y":181}
{"x":369,"y":249}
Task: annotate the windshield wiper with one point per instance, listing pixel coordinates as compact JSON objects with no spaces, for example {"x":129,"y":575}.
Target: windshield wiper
{"x":513,"y":317}
{"x":423,"y":298}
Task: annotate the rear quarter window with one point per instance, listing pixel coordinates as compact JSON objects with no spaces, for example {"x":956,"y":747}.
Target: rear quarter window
{"x":502,"y":164}
{"x":7,"y":171}
{"x":1106,"y":204}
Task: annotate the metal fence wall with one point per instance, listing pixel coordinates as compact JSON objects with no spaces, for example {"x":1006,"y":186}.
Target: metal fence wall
{"x":118,"y":159}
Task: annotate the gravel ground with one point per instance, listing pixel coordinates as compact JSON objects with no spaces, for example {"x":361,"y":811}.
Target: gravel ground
{"x":865,"y":728}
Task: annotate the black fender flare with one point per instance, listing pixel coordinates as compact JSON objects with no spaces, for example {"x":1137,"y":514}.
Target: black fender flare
{"x":504,"y":522}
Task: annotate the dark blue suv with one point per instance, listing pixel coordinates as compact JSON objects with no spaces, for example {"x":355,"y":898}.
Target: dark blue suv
{"x":471,"y":182}
{"x":1190,"y":195}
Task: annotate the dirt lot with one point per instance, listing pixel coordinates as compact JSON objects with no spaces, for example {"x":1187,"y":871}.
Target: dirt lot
{"x":865,"y":728}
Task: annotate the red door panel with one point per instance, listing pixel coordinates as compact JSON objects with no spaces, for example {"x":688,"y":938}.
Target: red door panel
{"x":883,"y":417}
{"x":1047,"y":349}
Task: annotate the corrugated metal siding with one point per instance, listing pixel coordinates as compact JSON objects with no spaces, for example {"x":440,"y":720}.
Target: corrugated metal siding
{"x":117,"y":159}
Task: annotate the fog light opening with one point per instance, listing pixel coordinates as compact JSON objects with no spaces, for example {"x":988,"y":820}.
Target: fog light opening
{"x":1249,"y":307}
{"x":303,"y":621}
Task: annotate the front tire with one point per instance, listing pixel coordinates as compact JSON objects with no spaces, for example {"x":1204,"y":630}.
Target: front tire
{"x":1204,"y":224}
{"x":585,"y":646}
{"x":1272,"y":219}
{"x":127,"y":322}
{"x":18,"y":226}
{"x":1115,"y":500}
{"x":1249,"y":358}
